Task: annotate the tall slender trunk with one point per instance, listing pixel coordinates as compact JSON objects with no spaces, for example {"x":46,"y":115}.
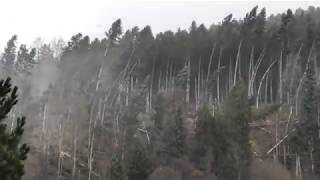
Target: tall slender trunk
{"x":188,"y":82}
{"x":237,"y":64}
{"x":250,"y":70}
{"x":209,"y":68}
{"x":199,"y":83}
{"x":43,"y":140}
{"x":261,"y":81}
{"x":280,"y":79}
{"x":218,"y":77}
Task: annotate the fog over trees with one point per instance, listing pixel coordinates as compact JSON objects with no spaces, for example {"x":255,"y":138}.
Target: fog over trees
{"x":234,"y":101}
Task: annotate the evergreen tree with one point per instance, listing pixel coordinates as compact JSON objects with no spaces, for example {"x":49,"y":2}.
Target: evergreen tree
{"x":305,"y":139}
{"x":12,"y":152}
{"x":138,"y":164}
{"x":114,"y":32}
{"x":230,"y":136}
{"x":204,"y":132}
{"x":9,"y":54}
{"x":309,"y":103}
{"x":176,"y":137}
{"x":116,"y":170}
{"x":45,"y":53}
{"x":25,"y":59}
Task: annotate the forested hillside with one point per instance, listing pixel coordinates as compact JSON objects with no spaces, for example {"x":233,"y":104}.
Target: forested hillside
{"x":236,"y":100}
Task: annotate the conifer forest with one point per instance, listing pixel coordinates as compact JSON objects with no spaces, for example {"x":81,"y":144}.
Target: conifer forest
{"x":236,"y":100}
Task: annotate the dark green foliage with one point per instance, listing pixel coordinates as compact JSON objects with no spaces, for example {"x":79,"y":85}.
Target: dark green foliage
{"x":305,"y":138}
{"x":225,"y":136}
{"x":310,"y":102}
{"x":159,"y":108}
{"x":9,"y":54}
{"x":114,"y":32}
{"x":138,"y":165}
{"x":175,"y":138}
{"x":116,"y":169}
{"x":236,"y":112}
{"x":25,"y":59}
{"x":202,"y":139}
{"x":12,"y":152}
{"x":307,"y":131}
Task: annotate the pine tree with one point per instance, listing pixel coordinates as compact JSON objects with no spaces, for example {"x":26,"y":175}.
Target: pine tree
{"x":116,"y":169}
{"x":138,"y":164}
{"x":12,"y":152}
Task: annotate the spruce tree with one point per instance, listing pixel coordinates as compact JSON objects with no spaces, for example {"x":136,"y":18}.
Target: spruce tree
{"x":116,"y":169}
{"x":305,"y":138}
{"x":9,"y":54}
{"x":114,"y":32}
{"x":12,"y":152}
{"x":25,"y":59}
{"x":230,"y":136}
{"x":310,"y":103}
{"x":176,"y":137}
{"x":204,"y":133}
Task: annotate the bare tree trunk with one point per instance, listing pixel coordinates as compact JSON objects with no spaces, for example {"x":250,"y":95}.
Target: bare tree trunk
{"x":91,"y":157}
{"x":151,"y":85}
{"x":147,"y":101}
{"x":271,"y":90}
{"x":199,"y":83}
{"x":298,"y":168}
{"x":237,"y":64}
{"x":230,"y":75}
{"x":127,"y":90}
{"x":218,"y":77}
{"x":74,"y":156}
{"x":60,"y":156}
{"x":250,"y":70}
{"x":277,"y":135}
{"x":311,"y":158}
{"x":188,"y":83}
{"x":196,"y":92}
{"x":266,"y":90}
{"x":90,"y":130}
{"x":91,"y":148}
{"x":261,"y":81}
{"x":167,"y":74}
{"x":209,"y":68}
{"x":280,"y":79}
{"x":159,"y":81}
{"x":254,"y":72}
{"x":44,"y":141}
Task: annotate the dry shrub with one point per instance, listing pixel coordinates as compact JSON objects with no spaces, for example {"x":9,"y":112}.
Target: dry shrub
{"x":269,"y":170}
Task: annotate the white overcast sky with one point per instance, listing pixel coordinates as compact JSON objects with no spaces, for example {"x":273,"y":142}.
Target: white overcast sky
{"x":63,"y":18}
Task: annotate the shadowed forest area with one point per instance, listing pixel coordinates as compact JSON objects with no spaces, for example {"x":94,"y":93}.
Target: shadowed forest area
{"x":238,"y":100}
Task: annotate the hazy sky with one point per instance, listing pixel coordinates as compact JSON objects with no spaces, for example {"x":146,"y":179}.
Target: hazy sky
{"x":63,"y":18}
